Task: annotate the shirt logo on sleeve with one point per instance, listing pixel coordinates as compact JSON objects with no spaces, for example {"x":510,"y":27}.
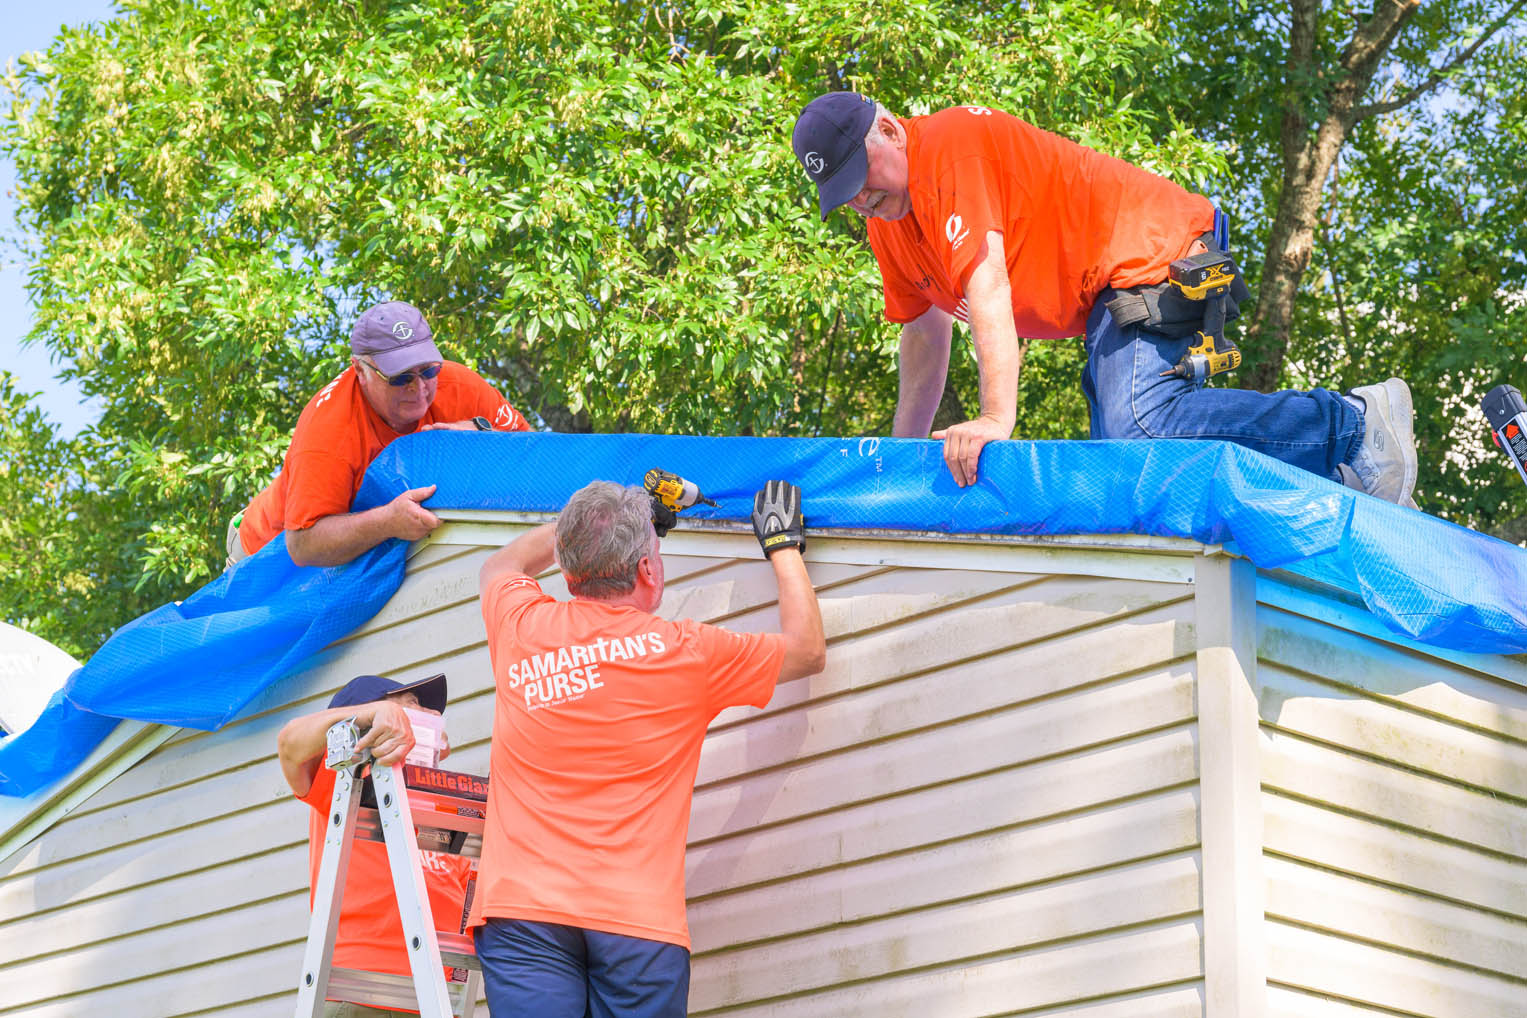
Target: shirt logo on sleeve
{"x":955,"y":231}
{"x":980,"y":111}
{"x":504,"y":419}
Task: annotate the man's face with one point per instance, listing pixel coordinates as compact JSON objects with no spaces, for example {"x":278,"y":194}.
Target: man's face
{"x":401,"y":406}
{"x":885,"y":194}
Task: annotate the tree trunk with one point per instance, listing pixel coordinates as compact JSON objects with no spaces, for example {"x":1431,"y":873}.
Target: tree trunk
{"x":1315,"y":127}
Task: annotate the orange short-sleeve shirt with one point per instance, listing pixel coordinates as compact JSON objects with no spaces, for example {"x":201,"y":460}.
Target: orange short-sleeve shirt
{"x":1074,"y":221}
{"x":336,"y":438}
{"x":599,"y":718}
{"x":370,"y":933}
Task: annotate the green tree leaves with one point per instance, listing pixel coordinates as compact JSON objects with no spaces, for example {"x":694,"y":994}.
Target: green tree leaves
{"x":595,"y":204}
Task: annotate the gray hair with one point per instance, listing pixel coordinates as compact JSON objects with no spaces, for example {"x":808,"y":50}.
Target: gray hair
{"x":872,"y":136}
{"x":602,"y":536}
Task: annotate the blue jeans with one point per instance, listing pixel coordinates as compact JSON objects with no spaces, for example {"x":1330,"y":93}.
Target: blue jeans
{"x":553,"y":971}
{"x":1130,"y":398}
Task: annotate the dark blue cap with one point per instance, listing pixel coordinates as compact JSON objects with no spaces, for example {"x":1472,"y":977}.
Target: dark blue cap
{"x":829,"y":142}
{"x":370,"y":688}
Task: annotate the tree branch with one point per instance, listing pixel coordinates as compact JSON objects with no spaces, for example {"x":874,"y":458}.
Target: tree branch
{"x":1374,"y":36}
{"x":1440,"y":74}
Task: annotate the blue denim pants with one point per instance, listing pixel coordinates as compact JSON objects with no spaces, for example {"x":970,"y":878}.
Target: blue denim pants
{"x":545,"y":970}
{"x":1130,"y":398}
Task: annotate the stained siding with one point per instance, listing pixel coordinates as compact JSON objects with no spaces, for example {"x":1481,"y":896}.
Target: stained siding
{"x":1395,"y":805}
{"x":985,"y":804}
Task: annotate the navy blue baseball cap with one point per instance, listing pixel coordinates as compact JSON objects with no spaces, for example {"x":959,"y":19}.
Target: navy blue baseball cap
{"x":829,"y":141}
{"x":370,"y":688}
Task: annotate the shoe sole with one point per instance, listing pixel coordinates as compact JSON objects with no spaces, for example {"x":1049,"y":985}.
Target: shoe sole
{"x":1402,"y":412}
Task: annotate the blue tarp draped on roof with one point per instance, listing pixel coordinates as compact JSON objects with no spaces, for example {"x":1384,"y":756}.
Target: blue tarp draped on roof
{"x":198,"y":663}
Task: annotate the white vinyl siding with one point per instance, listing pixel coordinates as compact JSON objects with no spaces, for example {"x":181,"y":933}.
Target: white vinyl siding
{"x":994,"y":800}
{"x":1395,"y":806}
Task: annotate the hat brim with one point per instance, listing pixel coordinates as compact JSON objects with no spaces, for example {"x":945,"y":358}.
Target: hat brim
{"x":842,"y":186}
{"x":395,"y":362}
{"x":431,"y":691}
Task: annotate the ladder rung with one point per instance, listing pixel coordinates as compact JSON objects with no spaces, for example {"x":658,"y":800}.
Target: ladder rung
{"x":381,"y":990}
{"x":458,"y":949}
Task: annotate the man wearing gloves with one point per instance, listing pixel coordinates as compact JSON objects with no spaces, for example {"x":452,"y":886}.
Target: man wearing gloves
{"x":600,"y":713}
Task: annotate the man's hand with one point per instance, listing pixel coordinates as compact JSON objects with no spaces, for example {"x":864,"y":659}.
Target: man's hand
{"x":466,"y":425}
{"x":410,"y":520}
{"x":777,"y":519}
{"x":391,"y":735}
{"x":963,"y":444}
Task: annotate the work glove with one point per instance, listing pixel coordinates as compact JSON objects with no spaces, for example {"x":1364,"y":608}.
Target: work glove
{"x":664,"y":519}
{"x":777,"y":518}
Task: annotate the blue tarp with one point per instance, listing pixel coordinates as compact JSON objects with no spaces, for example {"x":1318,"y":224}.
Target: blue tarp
{"x":198,"y":663}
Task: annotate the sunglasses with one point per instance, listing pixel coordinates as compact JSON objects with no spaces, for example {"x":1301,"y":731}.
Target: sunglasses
{"x":407,"y":377}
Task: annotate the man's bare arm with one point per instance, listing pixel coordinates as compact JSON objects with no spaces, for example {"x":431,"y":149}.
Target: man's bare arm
{"x":988,"y":296}
{"x":924,"y":366}
{"x":335,"y":540}
{"x":800,"y":617}
{"x":530,"y":554}
{"x":303,"y":741}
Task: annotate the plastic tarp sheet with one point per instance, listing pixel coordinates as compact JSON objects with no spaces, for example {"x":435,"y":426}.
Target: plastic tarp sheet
{"x":198,"y":663}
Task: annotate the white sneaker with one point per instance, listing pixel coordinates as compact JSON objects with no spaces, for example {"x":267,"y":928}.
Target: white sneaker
{"x":1385,"y":463}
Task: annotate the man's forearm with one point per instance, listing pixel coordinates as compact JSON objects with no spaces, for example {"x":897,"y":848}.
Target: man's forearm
{"x":302,"y":741}
{"x":988,"y":296}
{"x":923,"y":367}
{"x":335,"y":540}
{"x":530,"y":554}
{"x":800,"y":617}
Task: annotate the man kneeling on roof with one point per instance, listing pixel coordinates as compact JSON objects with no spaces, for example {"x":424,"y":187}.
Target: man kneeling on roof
{"x":370,"y":935}
{"x":600,"y":712}
{"x":397,"y":383}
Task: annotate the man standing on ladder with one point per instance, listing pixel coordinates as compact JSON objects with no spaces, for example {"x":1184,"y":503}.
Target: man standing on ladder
{"x":601,"y":710}
{"x":370,"y":935}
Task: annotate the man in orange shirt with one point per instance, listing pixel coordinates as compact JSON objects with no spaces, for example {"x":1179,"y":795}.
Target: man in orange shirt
{"x":370,"y":934}
{"x":976,"y":215}
{"x":397,"y":383}
{"x":601,"y":710}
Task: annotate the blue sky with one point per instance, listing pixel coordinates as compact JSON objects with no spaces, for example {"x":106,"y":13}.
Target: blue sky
{"x":32,"y":27}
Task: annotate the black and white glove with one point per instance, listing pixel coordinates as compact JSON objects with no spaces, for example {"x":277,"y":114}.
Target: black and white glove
{"x":777,"y":518}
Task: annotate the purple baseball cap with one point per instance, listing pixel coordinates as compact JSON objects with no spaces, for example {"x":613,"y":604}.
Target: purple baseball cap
{"x":395,"y":336}
{"x":829,"y":141}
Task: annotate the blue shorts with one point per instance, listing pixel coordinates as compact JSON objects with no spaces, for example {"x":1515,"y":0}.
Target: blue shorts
{"x":553,"y":971}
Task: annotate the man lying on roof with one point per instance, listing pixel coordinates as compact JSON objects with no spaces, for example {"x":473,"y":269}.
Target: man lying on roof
{"x":397,"y":383}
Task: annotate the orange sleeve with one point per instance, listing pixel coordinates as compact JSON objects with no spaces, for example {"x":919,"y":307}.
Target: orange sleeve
{"x":482,"y":400}
{"x":318,"y":484}
{"x":903,"y":302}
{"x":508,"y":594}
{"x":741,"y":668}
{"x":969,"y":207}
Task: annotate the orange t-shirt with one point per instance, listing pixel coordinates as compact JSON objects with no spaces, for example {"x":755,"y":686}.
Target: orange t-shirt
{"x":337,"y":437}
{"x":370,"y":933}
{"x":599,"y":717}
{"x":1073,"y":221}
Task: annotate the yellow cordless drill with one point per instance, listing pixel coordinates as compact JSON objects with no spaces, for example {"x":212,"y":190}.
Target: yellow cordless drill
{"x":671,"y":495}
{"x":1206,"y":276}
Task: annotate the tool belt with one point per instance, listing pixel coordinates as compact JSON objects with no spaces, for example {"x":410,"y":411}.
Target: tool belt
{"x":1162,"y":308}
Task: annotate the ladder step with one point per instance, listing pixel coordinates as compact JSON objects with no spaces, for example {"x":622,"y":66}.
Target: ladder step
{"x":458,"y":950}
{"x":380,"y":990}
